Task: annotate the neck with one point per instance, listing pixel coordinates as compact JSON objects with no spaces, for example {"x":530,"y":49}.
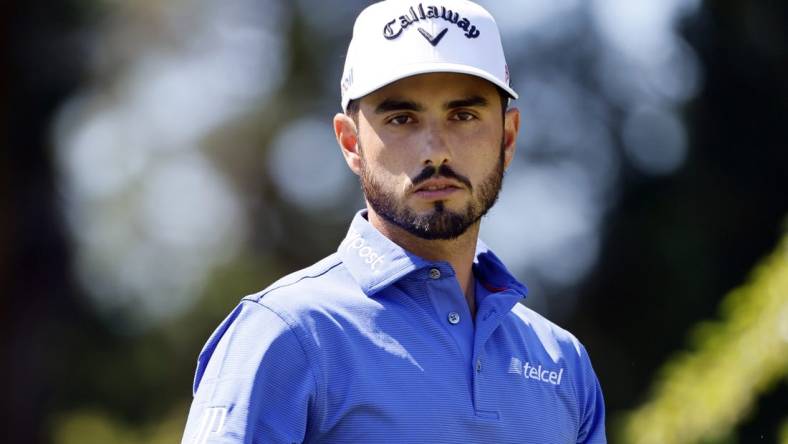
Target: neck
{"x":458,"y":252}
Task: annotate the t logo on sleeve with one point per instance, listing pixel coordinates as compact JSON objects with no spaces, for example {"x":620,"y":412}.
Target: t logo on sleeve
{"x":212,"y":424}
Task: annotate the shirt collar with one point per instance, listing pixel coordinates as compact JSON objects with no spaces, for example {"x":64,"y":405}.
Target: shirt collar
{"x":493,"y":274}
{"x":375,"y":262}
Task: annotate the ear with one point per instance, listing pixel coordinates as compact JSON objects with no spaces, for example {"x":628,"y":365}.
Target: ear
{"x":347,"y":137}
{"x":511,"y":128}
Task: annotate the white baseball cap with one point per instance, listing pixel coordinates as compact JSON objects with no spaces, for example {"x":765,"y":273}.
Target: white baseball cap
{"x":394,"y":39}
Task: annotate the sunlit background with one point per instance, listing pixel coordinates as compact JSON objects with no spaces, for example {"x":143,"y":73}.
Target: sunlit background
{"x":143,"y":149}
{"x":187,"y":158}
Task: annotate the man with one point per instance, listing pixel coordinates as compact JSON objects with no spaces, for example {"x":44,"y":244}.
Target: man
{"x":411,"y":332}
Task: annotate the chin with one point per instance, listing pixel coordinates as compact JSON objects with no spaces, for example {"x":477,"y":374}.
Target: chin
{"x":440,"y":206}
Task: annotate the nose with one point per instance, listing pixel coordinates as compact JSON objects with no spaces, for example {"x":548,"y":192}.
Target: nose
{"x":436,"y":150}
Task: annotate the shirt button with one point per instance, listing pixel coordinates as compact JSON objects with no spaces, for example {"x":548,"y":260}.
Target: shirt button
{"x":435,"y":273}
{"x":454,"y":318}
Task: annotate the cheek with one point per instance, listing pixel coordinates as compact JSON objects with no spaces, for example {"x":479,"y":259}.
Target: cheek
{"x":478,"y":151}
{"x":388,"y":159}
{"x":384,"y":169}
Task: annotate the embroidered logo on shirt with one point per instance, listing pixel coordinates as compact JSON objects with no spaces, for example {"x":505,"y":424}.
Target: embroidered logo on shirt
{"x":537,"y":372}
{"x":212,"y":423}
{"x":364,"y":251}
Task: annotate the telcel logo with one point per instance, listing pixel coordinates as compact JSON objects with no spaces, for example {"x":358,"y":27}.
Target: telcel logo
{"x":364,"y":251}
{"x":530,"y":371}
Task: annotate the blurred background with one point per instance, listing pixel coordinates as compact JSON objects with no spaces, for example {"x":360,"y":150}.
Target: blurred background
{"x":162,"y":159}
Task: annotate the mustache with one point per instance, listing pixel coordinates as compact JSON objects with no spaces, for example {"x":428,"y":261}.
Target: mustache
{"x":444,"y":170}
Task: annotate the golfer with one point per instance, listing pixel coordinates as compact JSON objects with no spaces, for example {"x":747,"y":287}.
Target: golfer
{"x":411,"y":332}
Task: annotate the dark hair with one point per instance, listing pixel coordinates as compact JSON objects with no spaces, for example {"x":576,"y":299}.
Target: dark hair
{"x":353,"y":105}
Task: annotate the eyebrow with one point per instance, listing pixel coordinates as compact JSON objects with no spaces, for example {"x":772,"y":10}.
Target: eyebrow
{"x":467,"y":102}
{"x":407,"y":105}
{"x":397,"y":105}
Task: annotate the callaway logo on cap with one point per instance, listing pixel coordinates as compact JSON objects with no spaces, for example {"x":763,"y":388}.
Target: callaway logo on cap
{"x":394,"y":39}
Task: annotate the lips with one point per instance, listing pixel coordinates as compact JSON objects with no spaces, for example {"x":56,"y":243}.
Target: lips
{"x":437,"y":188}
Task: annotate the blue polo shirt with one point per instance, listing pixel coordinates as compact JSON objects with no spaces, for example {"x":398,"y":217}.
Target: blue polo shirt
{"x":376,"y":345}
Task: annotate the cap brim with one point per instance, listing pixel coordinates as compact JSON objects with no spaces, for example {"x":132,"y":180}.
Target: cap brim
{"x":401,"y":72}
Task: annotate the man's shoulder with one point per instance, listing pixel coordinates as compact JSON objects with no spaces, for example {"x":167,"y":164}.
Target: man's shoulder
{"x":546,"y":331}
{"x":323,"y":284}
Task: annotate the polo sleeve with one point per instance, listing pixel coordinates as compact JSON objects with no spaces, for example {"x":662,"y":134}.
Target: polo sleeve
{"x":253,"y":383}
{"x":592,"y":427}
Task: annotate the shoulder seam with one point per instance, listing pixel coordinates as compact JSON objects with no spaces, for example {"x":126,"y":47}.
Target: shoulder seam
{"x":257,"y":297}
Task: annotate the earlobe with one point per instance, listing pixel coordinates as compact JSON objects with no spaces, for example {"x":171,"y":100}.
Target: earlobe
{"x":347,"y":137}
{"x":511,"y":129}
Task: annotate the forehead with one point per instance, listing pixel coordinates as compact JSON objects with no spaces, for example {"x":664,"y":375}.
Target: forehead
{"x":433,"y":88}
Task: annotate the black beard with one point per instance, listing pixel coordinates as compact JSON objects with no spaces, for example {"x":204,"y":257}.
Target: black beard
{"x":440,"y":223}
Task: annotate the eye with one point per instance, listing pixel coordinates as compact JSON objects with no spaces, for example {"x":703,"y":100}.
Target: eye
{"x":401,"y":119}
{"x":464,"y":116}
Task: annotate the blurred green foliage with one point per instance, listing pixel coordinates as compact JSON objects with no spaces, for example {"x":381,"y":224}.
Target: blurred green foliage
{"x":784,"y":432}
{"x":702,"y":393}
{"x":96,"y":427}
{"x":153,"y":410}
